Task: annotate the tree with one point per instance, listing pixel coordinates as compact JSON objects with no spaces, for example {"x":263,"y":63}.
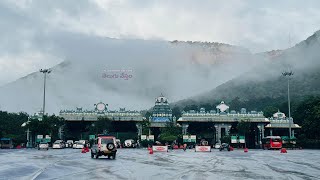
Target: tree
{"x":103,"y":124}
{"x":49,"y":125}
{"x":226,"y":139}
{"x":10,"y":126}
{"x":145,"y":126}
{"x":307,"y":114}
{"x":269,"y":111}
{"x":244,"y":128}
{"x":147,"y":114}
{"x":207,"y":106}
{"x":191,"y":107}
{"x":170,"y":132}
{"x":176,"y":112}
{"x":236,"y":104}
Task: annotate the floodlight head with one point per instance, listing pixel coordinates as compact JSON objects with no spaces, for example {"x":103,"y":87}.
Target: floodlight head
{"x":24,"y":124}
{"x":287,"y":73}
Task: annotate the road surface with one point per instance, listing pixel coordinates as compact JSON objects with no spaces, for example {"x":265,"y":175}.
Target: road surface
{"x":139,"y":164}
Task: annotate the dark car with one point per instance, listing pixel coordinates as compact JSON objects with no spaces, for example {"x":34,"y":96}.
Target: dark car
{"x":224,"y":146}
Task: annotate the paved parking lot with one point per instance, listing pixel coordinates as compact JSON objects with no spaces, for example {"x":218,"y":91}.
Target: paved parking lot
{"x":177,"y":164}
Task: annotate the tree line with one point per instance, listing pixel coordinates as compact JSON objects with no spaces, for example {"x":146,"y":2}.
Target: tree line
{"x":15,"y":125}
{"x":306,"y":113}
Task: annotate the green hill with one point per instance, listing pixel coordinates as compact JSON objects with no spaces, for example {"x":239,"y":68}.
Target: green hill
{"x":264,"y":85}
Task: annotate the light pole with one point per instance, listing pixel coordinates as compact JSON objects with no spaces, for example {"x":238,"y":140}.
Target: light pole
{"x":28,"y":132}
{"x":288,"y":74}
{"x":45,"y":72}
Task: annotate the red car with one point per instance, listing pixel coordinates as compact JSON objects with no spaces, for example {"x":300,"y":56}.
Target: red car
{"x":272,"y":142}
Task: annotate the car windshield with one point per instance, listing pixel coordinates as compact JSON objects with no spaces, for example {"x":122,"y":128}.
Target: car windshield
{"x":106,"y":140}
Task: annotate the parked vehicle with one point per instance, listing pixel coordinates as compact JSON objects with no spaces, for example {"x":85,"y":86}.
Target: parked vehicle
{"x":58,"y":144}
{"x":104,"y":146}
{"x":204,"y":143}
{"x":118,"y":143}
{"x":217,"y":146}
{"x":6,"y":143}
{"x":74,"y":145}
{"x":78,"y":145}
{"x":272,"y":142}
{"x":129,"y":143}
{"x":85,"y":143}
{"x":69,"y":143}
{"x":43,"y":145}
{"x":224,"y":146}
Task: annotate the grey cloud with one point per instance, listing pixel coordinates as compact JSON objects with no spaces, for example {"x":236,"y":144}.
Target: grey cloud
{"x":77,"y":31}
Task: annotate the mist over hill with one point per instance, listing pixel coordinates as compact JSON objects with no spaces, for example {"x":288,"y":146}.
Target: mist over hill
{"x":185,"y":72}
{"x":92,"y":68}
{"x":264,"y":82}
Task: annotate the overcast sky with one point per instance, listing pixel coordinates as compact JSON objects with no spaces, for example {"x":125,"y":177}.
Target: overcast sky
{"x":256,"y":25}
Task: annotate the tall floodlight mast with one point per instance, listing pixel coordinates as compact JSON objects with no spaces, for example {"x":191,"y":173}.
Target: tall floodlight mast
{"x":288,"y":74}
{"x":45,"y":72}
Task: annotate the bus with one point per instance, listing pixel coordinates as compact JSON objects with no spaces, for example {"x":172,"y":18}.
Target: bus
{"x":272,"y":142}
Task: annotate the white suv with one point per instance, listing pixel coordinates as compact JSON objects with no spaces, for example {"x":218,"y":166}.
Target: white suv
{"x":129,"y":143}
{"x":104,"y":146}
{"x":58,"y":144}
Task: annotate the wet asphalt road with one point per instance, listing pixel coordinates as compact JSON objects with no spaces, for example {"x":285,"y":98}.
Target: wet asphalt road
{"x":139,"y":164}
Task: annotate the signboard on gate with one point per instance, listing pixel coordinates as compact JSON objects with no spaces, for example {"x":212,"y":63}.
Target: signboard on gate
{"x":39,"y":138}
{"x":242,"y":139}
{"x":160,"y":148}
{"x":92,"y":136}
{"x":191,"y":138}
{"x":203,"y":149}
{"x":143,"y":137}
{"x":48,"y":138}
{"x":234,"y":139}
{"x":150,"y":137}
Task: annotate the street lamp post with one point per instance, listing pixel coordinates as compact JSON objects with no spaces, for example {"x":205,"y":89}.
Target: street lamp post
{"x":45,"y":72}
{"x":28,"y":133}
{"x":288,"y":74}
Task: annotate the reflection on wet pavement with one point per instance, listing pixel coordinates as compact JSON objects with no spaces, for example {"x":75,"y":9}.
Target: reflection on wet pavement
{"x":177,"y":164}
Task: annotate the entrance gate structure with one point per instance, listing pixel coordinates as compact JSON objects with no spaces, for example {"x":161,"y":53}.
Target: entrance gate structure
{"x":223,"y":119}
{"x":101,"y":110}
